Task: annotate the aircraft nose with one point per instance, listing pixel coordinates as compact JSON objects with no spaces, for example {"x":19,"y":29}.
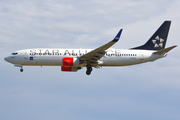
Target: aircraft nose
{"x":6,"y":59}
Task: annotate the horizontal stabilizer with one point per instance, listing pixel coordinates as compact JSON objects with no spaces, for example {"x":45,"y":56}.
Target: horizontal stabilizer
{"x":163,"y":51}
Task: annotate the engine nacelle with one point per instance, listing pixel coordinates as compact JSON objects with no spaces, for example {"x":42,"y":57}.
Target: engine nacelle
{"x":70,"y":61}
{"x":70,"y":69}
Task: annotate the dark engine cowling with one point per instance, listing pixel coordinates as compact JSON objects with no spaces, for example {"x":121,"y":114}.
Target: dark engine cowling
{"x":70,"y":64}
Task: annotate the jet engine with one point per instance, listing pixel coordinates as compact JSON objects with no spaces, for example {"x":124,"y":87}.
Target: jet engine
{"x":70,"y":64}
{"x":70,"y":61}
{"x":70,"y":69}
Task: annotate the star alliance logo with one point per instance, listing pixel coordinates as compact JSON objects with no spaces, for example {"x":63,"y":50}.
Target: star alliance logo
{"x":158,"y":42}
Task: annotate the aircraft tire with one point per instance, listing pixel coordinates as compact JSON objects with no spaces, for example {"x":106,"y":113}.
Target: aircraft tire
{"x":88,"y":72}
{"x":21,"y":70}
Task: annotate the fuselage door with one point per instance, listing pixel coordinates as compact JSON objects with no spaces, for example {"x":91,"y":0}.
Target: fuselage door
{"x":25,"y":55}
{"x":141,"y":56}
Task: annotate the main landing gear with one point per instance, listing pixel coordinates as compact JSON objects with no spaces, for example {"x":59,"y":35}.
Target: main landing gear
{"x":89,"y":69}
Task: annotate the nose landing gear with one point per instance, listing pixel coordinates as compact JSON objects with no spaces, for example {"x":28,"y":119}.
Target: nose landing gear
{"x":16,"y":65}
{"x":21,"y":70}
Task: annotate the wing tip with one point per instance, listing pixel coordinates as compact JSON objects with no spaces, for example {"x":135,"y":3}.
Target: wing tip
{"x":117,"y":36}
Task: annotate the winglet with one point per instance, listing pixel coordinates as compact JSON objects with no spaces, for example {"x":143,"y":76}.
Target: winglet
{"x":117,"y":36}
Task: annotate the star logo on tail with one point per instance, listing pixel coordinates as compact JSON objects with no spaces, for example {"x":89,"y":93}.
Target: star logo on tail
{"x":158,"y":42}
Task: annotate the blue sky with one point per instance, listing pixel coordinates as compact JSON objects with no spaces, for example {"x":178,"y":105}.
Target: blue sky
{"x":146,"y":91}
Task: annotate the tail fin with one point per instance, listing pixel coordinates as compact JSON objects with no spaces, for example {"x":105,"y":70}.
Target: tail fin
{"x":159,"y":38}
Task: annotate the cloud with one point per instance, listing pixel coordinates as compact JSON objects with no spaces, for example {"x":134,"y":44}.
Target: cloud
{"x":146,"y":91}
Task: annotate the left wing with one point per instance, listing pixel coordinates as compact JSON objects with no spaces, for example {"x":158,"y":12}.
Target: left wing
{"x":98,"y":53}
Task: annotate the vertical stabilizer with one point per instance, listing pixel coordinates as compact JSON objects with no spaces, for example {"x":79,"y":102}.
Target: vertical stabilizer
{"x":159,"y":38}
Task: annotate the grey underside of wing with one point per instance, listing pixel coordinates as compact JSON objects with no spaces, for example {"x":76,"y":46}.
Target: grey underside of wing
{"x":96,"y":54}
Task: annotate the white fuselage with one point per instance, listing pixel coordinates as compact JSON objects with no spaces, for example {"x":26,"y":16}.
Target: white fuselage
{"x":72,"y":60}
{"x":53,"y":57}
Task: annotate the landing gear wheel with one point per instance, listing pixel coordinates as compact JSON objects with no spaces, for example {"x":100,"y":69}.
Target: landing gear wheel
{"x":21,"y":70}
{"x":89,"y":70}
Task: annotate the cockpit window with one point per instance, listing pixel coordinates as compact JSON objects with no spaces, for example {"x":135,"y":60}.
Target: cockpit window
{"x":14,"y":53}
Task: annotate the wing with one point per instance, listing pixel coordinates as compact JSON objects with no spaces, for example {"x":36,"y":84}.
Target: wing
{"x":98,"y":53}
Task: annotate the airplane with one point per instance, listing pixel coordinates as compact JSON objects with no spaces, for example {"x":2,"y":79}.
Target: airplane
{"x":72,"y":60}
